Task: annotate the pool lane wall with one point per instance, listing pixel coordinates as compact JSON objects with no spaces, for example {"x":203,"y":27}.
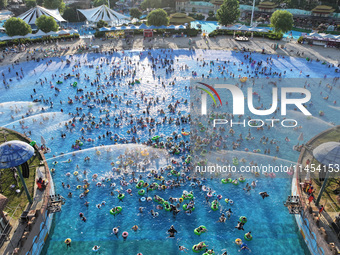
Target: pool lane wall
{"x":42,"y":226}
{"x":315,"y":242}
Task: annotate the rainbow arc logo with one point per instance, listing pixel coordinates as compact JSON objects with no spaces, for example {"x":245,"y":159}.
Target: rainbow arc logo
{"x":209,"y":93}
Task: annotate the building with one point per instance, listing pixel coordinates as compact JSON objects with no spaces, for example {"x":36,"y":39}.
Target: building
{"x":322,"y":11}
{"x":199,"y":6}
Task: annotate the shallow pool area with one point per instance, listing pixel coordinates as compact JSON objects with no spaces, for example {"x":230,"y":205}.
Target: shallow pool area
{"x":110,"y":118}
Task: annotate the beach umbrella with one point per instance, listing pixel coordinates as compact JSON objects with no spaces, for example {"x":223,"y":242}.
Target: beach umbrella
{"x":152,"y":27}
{"x":243,"y":28}
{"x":143,"y":26}
{"x":40,"y":33}
{"x":113,"y":28}
{"x":132,"y":27}
{"x":171,"y":27}
{"x":73,"y":31}
{"x":52,"y":33}
{"x":104,"y":29}
{"x":14,"y":153}
{"x":63,"y":32}
{"x":329,"y":36}
{"x":315,"y":35}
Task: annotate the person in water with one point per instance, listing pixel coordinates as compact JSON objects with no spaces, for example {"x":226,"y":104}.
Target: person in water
{"x":264,"y":194}
{"x":172,"y":231}
{"x":244,"y":247}
{"x":135,"y":228}
{"x":95,"y":248}
{"x":248,"y":235}
{"x":222,"y":218}
{"x":240,"y":225}
{"x":182,"y":248}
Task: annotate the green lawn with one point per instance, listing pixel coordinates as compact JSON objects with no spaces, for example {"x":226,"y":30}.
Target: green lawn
{"x":7,"y":179}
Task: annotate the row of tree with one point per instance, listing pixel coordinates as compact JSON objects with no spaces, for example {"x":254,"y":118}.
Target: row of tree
{"x":15,"y":26}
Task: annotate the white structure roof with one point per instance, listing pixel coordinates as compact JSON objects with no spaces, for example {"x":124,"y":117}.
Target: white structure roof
{"x":102,"y":13}
{"x":32,"y":14}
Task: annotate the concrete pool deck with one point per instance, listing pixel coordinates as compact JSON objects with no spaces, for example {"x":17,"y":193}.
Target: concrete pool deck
{"x":330,"y":55}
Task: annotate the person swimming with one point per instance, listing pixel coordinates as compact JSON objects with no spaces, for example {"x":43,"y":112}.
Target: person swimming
{"x":135,"y":228}
{"x":240,"y":225}
{"x":264,"y":194}
{"x":222,"y":218}
{"x":172,"y":231}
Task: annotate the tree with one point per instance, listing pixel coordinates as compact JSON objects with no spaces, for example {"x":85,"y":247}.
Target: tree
{"x":135,"y":13}
{"x":101,"y":23}
{"x":46,"y":23}
{"x":54,"y":4}
{"x":150,"y":4}
{"x":40,"y":2}
{"x":101,"y":2}
{"x":3,"y":4}
{"x":30,"y":3}
{"x":211,"y":14}
{"x":70,"y":14}
{"x":228,"y":12}
{"x":15,"y":26}
{"x":158,"y":17}
{"x":282,"y":21}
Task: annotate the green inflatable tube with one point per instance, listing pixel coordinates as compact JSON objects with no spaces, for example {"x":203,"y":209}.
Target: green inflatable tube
{"x":243,"y":219}
{"x":175,"y":173}
{"x":197,"y":232}
{"x":121,"y":196}
{"x":224,"y":181}
{"x":242,"y":179}
{"x":213,"y":206}
{"x":197,"y":251}
{"x":155,"y":138}
{"x":75,"y":84}
{"x":141,"y":192}
{"x":139,"y":185}
{"x":167,"y":206}
{"x":33,"y":143}
{"x":248,"y":238}
{"x":119,"y":209}
{"x":185,"y":208}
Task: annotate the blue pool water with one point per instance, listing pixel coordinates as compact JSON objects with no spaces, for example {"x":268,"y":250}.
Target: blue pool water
{"x":273,"y":228}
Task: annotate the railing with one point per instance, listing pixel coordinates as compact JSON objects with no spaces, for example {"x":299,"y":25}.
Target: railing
{"x":8,"y":227}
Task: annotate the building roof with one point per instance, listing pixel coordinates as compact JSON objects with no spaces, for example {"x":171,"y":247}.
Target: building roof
{"x":102,"y":13}
{"x":32,"y":14}
{"x":267,"y":5}
{"x":217,"y":2}
{"x":3,"y":202}
{"x":323,"y":9}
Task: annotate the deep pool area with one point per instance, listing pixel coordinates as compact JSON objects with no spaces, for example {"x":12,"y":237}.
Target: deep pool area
{"x":102,"y":115}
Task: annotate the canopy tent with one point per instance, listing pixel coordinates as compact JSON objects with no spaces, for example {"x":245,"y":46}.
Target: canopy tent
{"x":102,"y":13}
{"x":40,"y":33}
{"x":32,"y":14}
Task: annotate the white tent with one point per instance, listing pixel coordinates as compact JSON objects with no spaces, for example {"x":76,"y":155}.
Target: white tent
{"x":102,"y":13}
{"x":40,"y":33}
{"x":31,"y":15}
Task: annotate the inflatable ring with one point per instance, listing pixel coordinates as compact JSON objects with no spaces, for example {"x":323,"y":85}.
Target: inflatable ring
{"x":248,"y":238}
{"x":224,"y":181}
{"x":78,"y":187}
{"x":121,"y":196}
{"x":68,"y":240}
{"x":235,"y":182}
{"x":141,"y":192}
{"x":185,"y":208}
{"x":231,"y":202}
{"x":167,"y":206}
{"x":241,"y":179}
{"x":86,"y":191}
{"x":125,"y":234}
{"x":180,"y":200}
{"x":238,"y":241}
{"x":142,"y":199}
{"x":197,"y":251}
{"x":119,"y":209}
{"x":243,"y":219}
{"x":140,"y":184}
{"x":197,"y":232}
{"x":214,"y":206}
{"x":75,"y":173}
{"x":75,"y":84}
